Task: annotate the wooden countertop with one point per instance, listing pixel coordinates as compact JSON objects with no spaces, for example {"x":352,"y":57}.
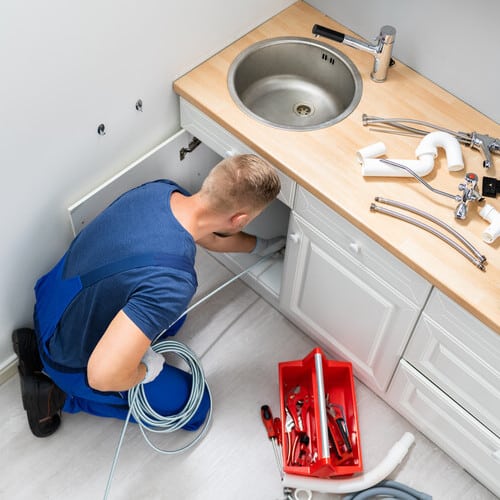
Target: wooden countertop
{"x":324,"y":161}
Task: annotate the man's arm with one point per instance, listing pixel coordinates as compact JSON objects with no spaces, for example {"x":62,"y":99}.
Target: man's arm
{"x":239,"y":242}
{"x":115,"y":363}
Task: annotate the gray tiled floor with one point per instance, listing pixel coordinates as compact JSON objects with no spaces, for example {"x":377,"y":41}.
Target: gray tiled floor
{"x":240,"y":339}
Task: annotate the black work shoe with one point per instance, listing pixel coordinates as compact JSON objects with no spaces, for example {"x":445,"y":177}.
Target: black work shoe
{"x":26,"y":348}
{"x":43,"y":401}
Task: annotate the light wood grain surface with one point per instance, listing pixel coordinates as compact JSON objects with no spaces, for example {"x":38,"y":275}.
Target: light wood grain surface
{"x":324,"y":161}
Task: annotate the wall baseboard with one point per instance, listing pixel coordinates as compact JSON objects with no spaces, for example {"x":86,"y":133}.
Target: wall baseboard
{"x":8,"y":369}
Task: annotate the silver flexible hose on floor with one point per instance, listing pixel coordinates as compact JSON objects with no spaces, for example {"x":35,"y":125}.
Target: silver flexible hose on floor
{"x":389,"y":489}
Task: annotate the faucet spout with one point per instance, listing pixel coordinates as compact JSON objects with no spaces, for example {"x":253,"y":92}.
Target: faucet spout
{"x":381,"y":50}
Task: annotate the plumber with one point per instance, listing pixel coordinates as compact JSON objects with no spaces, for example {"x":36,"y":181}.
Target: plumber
{"x":126,"y":277}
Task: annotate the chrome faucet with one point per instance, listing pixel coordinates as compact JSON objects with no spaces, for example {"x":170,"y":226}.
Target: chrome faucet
{"x":470,"y":192}
{"x":382,"y":50}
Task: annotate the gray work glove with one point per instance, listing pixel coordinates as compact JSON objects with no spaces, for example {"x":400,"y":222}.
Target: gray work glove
{"x":265,"y":247}
{"x":154,"y":365}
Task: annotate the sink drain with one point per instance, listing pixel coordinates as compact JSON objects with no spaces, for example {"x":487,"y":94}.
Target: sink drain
{"x":303,"y":109}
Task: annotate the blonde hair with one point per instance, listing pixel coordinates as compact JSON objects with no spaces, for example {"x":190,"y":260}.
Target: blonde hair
{"x":240,"y":182}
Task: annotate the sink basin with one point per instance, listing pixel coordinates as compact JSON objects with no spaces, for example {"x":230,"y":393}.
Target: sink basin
{"x":295,"y":83}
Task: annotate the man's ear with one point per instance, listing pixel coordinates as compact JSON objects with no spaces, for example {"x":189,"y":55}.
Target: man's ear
{"x":240,"y":220}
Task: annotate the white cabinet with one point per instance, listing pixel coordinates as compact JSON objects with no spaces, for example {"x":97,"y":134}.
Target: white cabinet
{"x":448,"y":386}
{"x":461,"y":356}
{"x":362,"y":304}
{"x":354,"y":309}
{"x":447,"y":424}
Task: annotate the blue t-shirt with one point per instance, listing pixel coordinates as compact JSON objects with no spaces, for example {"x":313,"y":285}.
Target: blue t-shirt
{"x":153,"y":297}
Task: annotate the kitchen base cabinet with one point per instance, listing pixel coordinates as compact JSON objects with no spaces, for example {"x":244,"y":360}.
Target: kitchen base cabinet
{"x":448,"y":386}
{"x":447,"y":424}
{"x":366,"y":306}
{"x":342,"y":304}
{"x":461,"y":356}
{"x":348,"y":292}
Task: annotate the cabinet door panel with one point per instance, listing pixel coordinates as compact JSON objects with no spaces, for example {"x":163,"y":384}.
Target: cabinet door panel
{"x":162,"y":162}
{"x":361,"y":247}
{"x":344,"y":306}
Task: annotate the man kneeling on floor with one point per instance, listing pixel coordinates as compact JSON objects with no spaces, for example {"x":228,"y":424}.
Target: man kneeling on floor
{"x":126,"y":277}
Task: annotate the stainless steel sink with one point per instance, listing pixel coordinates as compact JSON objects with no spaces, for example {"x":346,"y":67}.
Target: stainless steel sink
{"x":295,"y":83}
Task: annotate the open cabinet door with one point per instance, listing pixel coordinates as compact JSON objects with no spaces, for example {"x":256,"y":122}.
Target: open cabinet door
{"x":164,"y":162}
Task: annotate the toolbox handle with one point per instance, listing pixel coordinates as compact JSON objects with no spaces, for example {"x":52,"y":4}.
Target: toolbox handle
{"x":323,"y":422}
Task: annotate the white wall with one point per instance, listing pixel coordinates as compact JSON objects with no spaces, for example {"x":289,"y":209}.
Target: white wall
{"x":65,"y":68}
{"x":455,"y":43}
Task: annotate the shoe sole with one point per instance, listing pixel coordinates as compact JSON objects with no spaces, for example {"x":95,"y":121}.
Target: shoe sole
{"x":40,"y":425}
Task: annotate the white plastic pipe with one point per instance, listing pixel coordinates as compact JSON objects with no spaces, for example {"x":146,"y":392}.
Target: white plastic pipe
{"x":492,"y":232}
{"x":366,"y":480}
{"x":374,"y":167}
{"x":426,"y":152}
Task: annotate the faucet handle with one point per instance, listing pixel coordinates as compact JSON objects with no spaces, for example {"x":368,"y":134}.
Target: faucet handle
{"x":336,"y":36}
{"x":387,"y":34}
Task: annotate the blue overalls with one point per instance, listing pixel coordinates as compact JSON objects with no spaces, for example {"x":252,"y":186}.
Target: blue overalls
{"x":167,"y":394}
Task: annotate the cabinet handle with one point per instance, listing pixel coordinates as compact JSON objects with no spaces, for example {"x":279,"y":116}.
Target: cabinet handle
{"x":295,"y":237}
{"x":355,"y":247}
{"x":496,"y":455}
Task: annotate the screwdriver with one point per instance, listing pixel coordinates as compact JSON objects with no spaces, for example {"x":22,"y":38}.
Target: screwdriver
{"x":268,"y":421}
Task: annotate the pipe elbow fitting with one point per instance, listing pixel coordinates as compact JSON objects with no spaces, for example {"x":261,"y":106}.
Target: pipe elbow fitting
{"x":492,"y":232}
{"x":430,"y":143}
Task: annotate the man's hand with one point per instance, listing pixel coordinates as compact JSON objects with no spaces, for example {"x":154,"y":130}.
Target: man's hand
{"x":238,"y":242}
{"x":265,"y":247}
{"x":154,"y":362}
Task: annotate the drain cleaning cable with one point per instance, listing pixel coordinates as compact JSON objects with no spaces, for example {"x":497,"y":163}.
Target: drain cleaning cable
{"x":139,"y":407}
{"x":389,"y":489}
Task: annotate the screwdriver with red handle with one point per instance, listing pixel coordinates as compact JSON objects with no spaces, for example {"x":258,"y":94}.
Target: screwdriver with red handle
{"x":269,"y":424}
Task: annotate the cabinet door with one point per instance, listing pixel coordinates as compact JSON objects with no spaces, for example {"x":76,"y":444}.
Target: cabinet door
{"x":162,"y":162}
{"x":343,"y":305}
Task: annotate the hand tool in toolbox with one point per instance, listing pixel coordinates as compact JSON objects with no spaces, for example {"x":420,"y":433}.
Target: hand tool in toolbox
{"x":338,"y":432}
{"x":270,"y":425}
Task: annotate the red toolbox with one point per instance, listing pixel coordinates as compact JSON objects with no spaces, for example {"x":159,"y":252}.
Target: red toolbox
{"x":319,"y":418}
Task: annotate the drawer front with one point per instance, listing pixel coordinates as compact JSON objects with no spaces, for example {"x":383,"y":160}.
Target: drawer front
{"x":443,"y":421}
{"x":362,"y":247}
{"x":225,"y":144}
{"x":461,"y":356}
